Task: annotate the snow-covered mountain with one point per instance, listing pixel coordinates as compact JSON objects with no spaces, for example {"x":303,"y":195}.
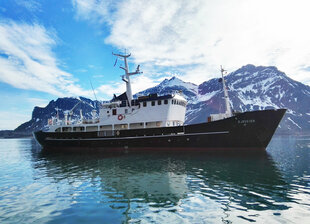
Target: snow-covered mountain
{"x":256,"y":88}
{"x":168,"y":86}
{"x":41,"y":115}
{"x":250,"y":88}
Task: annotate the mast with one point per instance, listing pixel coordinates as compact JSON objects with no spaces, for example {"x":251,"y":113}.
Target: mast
{"x":227,"y":104}
{"x":126,"y":77}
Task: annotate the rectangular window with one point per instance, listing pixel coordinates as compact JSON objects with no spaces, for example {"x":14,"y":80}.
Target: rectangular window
{"x":159,"y":102}
{"x":166,"y":102}
{"x":144,"y":104}
{"x":126,"y":111}
{"x":114,"y":111}
{"x":153,"y":103}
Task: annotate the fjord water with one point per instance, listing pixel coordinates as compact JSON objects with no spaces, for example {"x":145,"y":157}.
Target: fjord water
{"x":266,"y":187}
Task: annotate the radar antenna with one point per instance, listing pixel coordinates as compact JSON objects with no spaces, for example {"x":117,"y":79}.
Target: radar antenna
{"x":127,"y":74}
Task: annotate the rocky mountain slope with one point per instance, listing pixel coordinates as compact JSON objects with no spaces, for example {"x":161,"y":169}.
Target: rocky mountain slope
{"x":41,"y":115}
{"x":250,"y":88}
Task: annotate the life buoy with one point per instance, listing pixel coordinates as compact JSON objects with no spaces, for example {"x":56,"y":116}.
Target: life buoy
{"x":120,"y":117}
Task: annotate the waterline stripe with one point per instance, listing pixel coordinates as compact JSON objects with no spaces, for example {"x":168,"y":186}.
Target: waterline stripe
{"x":135,"y":137}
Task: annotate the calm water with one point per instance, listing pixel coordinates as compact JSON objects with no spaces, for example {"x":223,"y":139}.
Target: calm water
{"x":271,"y":187}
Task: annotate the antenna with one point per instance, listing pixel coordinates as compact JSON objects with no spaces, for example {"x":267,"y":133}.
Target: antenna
{"x":127,"y":74}
{"x":223,"y":71}
{"x":228,"y":108}
{"x":91,"y":84}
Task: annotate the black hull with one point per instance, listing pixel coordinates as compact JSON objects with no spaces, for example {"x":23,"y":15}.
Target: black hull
{"x":248,"y":130}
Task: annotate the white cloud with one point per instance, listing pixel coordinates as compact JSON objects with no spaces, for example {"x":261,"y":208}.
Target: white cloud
{"x":95,"y":10}
{"x":196,"y":37}
{"x":28,"y":62}
{"x":142,"y":82}
{"x":30,"y":5}
{"x":38,"y":101}
{"x":109,"y":89}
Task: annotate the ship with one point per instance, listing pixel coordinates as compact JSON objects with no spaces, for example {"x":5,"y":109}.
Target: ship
{"x":157,"y":122}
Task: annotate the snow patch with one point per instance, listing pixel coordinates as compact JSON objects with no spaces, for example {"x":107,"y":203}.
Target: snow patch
{"x":239,"y":74}
{"x":249,"y":88}
{"x":265,"y":84}
{"x":290,"y":119}
{"x":178,"y":82}
{"x":282,"y":94}
{"x":206,"y":96}
{"x":257,"y":101}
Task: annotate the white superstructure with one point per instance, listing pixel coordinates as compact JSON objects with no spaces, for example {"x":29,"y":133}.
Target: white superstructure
{"x":124,"y":112}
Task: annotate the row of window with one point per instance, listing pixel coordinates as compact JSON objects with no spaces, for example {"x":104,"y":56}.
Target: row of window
{"x":117,"y":127}
{"x":178,"y":102}
{"x":154,"y":102}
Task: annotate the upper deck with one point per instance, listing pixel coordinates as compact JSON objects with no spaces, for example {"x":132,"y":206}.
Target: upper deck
{"x":144,"y":112}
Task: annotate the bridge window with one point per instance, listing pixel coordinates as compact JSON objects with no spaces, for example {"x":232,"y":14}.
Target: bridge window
{"x":114,"y":111}
{"x":159,"y":102}
{"x":166,"y":102}
{"x":144,"y":103}
{"x":153,"y":103}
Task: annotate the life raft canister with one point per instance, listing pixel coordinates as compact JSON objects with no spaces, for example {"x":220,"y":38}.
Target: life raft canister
{"x":120,"y":117}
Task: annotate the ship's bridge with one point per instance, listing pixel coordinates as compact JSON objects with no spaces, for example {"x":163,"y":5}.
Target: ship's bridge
{"x":144,"y":112}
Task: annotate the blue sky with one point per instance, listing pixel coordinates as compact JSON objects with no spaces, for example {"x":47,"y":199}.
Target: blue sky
{"x":51,"y":49}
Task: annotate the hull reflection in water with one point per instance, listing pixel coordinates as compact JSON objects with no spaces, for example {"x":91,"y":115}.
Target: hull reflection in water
{"x":267,"y":187}
{"x":229,"y":186}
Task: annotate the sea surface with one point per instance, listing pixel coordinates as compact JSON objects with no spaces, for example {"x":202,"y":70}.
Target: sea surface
{"x":266,"y":187}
